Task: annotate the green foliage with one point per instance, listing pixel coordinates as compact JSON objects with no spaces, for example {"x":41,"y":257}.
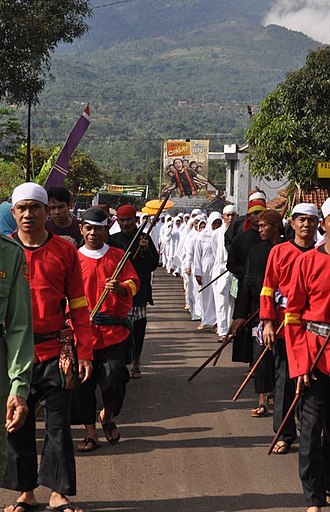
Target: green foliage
{"x":30,"y":30}
{"x":291,"y":131}
{"x":84,"y":174}
{"x":11,"y":175}
{"x":11,"y":134}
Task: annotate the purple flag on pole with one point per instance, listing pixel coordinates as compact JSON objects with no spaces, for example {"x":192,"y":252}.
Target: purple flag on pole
{"x":60,"y":168}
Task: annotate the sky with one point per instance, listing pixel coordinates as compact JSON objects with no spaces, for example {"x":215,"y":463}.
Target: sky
{"x":312,"y":17}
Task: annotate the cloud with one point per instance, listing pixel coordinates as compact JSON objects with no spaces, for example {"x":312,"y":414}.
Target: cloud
{"x":312,"y":17}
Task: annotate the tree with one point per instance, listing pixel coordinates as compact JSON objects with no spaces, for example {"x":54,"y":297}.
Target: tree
{"x":84,"y":174}
{"x":11,"y":175}
{"x":11,"y":135}
{"x":30,"y":30}
{"x":291,"y":131}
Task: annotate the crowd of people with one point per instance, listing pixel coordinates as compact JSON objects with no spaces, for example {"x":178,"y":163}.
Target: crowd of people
{"x":257,"y":280}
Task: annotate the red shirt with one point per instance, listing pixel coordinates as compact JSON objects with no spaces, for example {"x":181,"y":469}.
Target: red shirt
{"x":55,"y":279}
{"x":96,"y":267}
{"x":308,"y":300}
{"x":278,"y":276}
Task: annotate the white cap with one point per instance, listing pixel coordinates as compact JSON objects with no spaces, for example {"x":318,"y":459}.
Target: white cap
{"x":257,"y":196}
{"x":305,"y":209}
{"x":229,"y":209}
{"x":325,"y":208}
{"x":29,"y":191}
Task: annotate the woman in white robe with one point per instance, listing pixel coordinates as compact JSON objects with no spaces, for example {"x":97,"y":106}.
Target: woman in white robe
{"x":203,"y":266}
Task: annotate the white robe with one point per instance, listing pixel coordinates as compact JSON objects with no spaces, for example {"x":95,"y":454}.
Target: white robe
{"x":224,"y":302}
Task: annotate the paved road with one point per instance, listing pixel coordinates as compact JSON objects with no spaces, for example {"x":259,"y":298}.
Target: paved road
{"x":185,"y":447}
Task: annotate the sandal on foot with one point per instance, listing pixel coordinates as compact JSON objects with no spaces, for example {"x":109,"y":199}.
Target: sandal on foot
{"x":136,"y":372}
{"x":109,"y":428}
{"x":259,"y":411}
{"x":25,"y":506}
{"x":88,"y":440}
{"x":64,"y":507}
{"x":281,"y":448}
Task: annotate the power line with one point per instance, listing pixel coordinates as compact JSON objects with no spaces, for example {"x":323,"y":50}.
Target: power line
{"x":109,"y":5}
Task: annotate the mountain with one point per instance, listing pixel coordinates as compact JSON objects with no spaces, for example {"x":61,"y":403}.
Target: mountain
{"x":154,"y":69}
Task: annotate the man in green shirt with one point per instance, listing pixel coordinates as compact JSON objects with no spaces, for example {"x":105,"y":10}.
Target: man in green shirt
{"x":16,"y":340}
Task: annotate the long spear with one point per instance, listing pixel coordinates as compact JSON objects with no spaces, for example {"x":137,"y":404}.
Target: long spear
{"x":248,"y":320}
{"x":254,"y":367}
{"x":117,"y":270}
{"x":154,"y":221}
{"x":299,"y":392}
{"x":226,"y":342}
{"x":213,"y":280}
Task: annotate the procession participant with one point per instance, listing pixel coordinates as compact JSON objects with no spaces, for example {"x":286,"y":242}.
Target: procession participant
{"x":7,"y":221}
{"x":241,"y":222}
{"x":307,"y":322}
{"x":276,"y":286}
{"x":248,"y":301}
{"x":164,"y":239}
{"x":203,"y":265}
{"x":237,"y":256}
{"x":144,"y":264}
{"x":224,"y":302}
{"x":111,"y":327}
{"x":55,"y":277}
{"x":193,"y":286}
{"x":16,"y":341}
{"x":173,"y":246}
{"x":61,"y":221}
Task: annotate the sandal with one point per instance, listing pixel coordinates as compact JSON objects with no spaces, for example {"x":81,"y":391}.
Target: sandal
{"x":259,"y":411}
{"x":109,"y":428}
{"x":88,"y":440}
{"x":281,"y":447}
{"x":24,"y":505}
{"x":135,"y":372}
{"x":65,"y":506}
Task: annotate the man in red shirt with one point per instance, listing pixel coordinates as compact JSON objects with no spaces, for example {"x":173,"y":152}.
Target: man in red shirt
{"x":111,"y":327}
{"x":276,"y":286}
{"x":55,"y":280}
{"x":307,"y":322}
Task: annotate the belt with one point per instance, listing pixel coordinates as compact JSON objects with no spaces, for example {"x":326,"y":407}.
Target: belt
{"x":318,"y":328}
{"x":41,"y":338}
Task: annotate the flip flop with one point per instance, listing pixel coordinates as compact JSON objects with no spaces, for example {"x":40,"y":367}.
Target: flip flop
{"x":25,"y":506}
{"x":282,"y":448}
{"x":87,"y":441}
{"x":259,"y":411}
{"x":65,"y":506}
{"x":108,"y":429}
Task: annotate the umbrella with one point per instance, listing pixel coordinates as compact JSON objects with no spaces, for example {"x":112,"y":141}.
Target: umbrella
{"x":155,"y":204}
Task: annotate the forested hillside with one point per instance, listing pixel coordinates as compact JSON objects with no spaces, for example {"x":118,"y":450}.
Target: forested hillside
{"x":155,"y":69}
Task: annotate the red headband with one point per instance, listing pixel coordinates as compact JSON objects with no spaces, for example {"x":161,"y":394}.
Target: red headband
{"x":125,"y":211}
{"x":256,"y":206}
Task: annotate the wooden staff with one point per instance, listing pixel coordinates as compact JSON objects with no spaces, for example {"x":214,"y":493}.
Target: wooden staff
{"x":231,"y":338}
{"x":213,"y":280}
{"x":254,"y":367}
{"x":299,"y":391}
{"x":118,"y":269}
{"x":226,"y":342}
{"x":154,"y":221}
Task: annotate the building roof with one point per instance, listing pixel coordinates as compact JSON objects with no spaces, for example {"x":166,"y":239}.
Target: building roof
{"x":316,"y":196}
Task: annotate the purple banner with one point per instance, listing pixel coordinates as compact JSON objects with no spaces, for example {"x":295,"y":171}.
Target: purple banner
{"x":59,"y":170}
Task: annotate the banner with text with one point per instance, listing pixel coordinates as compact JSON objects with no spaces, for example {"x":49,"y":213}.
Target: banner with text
{"x":185,"y":168}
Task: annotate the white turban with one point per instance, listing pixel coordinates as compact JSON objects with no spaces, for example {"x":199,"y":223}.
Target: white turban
{"x":261,"y":196}
{"x":229,"y":209}
{"x":325,"y":208}
{"x":29,"y":192}
{"x":305,"y":209}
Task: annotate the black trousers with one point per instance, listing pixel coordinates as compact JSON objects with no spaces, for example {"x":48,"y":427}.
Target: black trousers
{"x":139,"y":335}
{"x":264,"y":377}
{"x":314,"y":451}
{"x":57,"y":466}
{"x":285,"y":390}
{"x":111,"y":374}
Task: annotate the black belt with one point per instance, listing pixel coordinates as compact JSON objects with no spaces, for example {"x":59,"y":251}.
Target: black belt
{"x":42,"y":337}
